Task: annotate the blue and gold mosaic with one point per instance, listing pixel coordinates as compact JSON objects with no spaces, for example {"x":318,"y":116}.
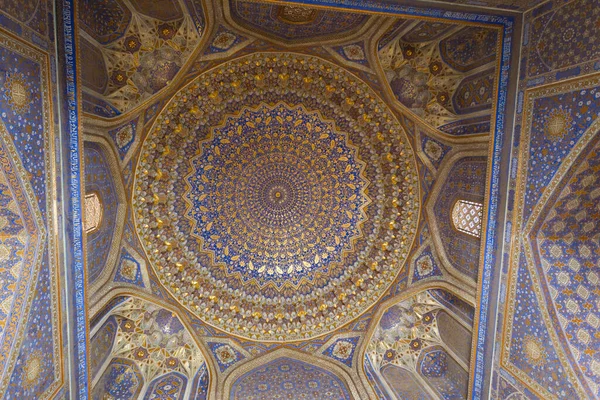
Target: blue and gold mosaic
{"x":281,"y":211}
{"x":30,"y":337}
{"x":100,"y":180}
{"x":129,"y":270}
{"x":200,"y":384}
{"x":286,"y":378}
{"x":225,"y":355}
{"x":342,"y":350}
{"x":551,"y":344}
{"x":466,"y":180}
{"x":223,"y":40}
{"x":293,"y":23}
{"x":167,"y":387}
{"x":104,"y":20}
{"x":276,"y":194}
{"x":122,"y":379}
{"x":101,"y":344}
{"x":123,"y":137}
{"x":425,"y":265}
{"x":563,"y":38}
{"x":354,"y":52}
{"x":469,"y":48}
{"x":434,"y":70}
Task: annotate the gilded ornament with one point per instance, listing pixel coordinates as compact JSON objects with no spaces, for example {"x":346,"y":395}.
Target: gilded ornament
{"x":17,"y":92}
{"x":282,"y":196}
{"x":558,"y":124}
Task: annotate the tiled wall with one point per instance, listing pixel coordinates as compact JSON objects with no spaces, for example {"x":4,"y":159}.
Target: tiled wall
{"x":549,"y":289}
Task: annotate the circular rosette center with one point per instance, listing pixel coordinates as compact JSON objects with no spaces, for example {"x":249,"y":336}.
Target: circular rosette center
{"x":276,"y":197}
{"x":276,"y":192}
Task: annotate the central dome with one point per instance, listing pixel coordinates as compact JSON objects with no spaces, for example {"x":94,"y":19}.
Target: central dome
{"x":276,"y":193}
{"x":276,"y":197}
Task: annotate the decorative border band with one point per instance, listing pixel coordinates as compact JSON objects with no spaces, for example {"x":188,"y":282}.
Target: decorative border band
{"x":77,"y":267}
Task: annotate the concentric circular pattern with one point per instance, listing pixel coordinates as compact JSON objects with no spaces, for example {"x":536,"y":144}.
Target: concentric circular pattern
{"x":276,"y":197}
{"x":276,"y":193}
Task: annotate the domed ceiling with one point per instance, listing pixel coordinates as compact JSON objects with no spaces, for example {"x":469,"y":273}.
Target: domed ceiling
{"x":303,"y":171}
{"x":277,"y":196}
{"x":299,"y":199}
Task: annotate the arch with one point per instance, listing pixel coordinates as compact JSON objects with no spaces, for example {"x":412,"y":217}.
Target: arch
{"x":462,"y":176}
{"x":207,"y":371}
{"x":103,"y":177}
{"x":417,"y":81}
{"x":155,"y":338}
{"x":100,"y":179}
{"x":466,"y":181}
{"x":121,"y":379}
{"x":167,"y":386}
{"x":276,"y":23}
{"x":443,"y":373}
{"x":286,"y":376}
{"x":403,"y":332}
{"x":371,"y":374}
{"x":355,"y":391}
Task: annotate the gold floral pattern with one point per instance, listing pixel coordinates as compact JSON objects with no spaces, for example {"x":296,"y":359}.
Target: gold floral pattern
{"x":297,"y":202}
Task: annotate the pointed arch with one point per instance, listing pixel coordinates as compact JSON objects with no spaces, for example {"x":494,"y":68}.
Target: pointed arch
{"x":354,"y":391}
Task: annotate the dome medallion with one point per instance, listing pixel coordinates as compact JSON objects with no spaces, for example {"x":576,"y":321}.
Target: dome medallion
{"x":289,"y":195}
{"x":276,"y":197}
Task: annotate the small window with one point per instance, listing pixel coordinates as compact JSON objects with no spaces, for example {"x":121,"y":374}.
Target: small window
{"x":93,"y":213}
{"x":467,"y":217}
